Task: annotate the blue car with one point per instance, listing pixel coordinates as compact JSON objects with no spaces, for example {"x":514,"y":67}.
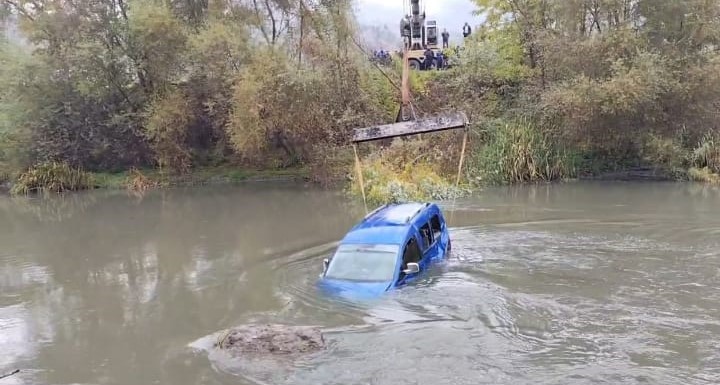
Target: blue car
{"x":387,"y":249}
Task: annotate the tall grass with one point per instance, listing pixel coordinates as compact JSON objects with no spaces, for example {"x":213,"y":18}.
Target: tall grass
{"x":707,"y":153}
{"x":52,"y":178}
{"x":706,"y":160}
{"x":518,"y":152}
{"x":703,"y":175}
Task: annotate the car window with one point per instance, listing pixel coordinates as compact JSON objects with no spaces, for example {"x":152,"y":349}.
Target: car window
{"x":426,"y":235}
{"x":436,"y":226}
{"x":366,"y":263}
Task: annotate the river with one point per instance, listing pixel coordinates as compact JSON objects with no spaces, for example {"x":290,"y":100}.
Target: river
{"x":578,"y":283}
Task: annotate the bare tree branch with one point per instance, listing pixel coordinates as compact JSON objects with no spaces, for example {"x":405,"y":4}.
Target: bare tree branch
{"x":260,"y":21}
{"x":123,"y":9}
{"x":19,"y":9}
{"x":272,"y":20}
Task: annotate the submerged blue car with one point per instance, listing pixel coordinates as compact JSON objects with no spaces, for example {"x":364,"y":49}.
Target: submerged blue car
{"x":387,"y":249}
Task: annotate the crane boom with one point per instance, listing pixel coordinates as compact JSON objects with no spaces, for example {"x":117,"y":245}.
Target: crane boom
{"x":415,"y":7}
{"x":418,"y":33}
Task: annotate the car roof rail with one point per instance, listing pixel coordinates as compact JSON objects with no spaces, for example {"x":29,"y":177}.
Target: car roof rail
{"x":376,"y":210}
{"x":409,"y":218}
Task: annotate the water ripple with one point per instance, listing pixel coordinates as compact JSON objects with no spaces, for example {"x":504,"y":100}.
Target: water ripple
{"x":519,"y":306}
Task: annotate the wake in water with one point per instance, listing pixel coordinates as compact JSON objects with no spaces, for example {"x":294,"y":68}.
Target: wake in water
{"x":509,"y":306}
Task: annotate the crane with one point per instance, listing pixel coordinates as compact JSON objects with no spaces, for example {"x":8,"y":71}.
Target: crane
{"x":416,"y":32}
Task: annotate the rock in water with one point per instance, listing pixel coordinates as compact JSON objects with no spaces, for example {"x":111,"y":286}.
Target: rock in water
{"x":271,"y":339}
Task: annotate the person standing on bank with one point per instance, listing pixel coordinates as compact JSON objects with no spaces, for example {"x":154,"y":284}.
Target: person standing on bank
{"x":466,"y":30}
{"x":446,"y":38}
{"x":429,"y":58}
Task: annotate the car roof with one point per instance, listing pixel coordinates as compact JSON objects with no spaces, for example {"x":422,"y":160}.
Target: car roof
{"x":388,"y":224}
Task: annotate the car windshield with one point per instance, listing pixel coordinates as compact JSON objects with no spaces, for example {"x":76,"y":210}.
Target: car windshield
{"x":367,"y":263}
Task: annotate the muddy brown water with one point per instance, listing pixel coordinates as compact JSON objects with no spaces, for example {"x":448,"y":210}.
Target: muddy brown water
{"x":583,"y":283}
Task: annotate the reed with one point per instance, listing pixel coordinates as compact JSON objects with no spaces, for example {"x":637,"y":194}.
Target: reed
{"x":52,"y":177}
{"x":518,"y":152}
{"x":707,"y":153}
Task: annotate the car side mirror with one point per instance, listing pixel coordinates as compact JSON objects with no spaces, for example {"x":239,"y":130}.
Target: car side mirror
{"x":326,"y":262}
{"x":412,"y":268}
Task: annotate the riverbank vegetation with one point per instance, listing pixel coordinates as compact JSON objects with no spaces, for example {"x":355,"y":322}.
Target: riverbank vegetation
{"x":404,"y":171}
{"x":554,"y":90}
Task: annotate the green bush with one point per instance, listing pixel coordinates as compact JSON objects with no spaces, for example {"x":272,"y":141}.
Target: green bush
{"x":167,"y":131}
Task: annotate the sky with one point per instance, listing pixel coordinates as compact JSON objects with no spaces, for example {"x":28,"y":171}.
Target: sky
{"x":450,"y":14}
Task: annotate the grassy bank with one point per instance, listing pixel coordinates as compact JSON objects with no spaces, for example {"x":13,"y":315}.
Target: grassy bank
{"x":517,"y":151}
{"x":198,"y":176}
{"x":57,"y":178}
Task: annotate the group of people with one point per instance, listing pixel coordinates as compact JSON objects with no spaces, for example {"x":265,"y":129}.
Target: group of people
{"x":432,"y":60}
{"x":381,"y":57}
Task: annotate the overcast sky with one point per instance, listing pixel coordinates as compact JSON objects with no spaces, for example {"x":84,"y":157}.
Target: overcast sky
{"x":450,"y":14}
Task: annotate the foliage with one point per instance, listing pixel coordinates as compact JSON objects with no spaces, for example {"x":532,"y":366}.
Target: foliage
{"x":707,"y":153}
{"x":399,"y":174}
{"x":703,"y":175}
{"x":597,"y":113}
{"x":14,"y":137}
{"x":4,"y":178}
{"x":666,"y":154}
{"x":113,"y":85}
{"x":139,"y":182}
{"x":160,"y":39}
{"x":167,"y":129}
{"x":280,"y":112}
{"x":705,"y":160}
{"x":624,"y":83}
{"x":331,"y":165}
{"x":255,"y":114}
{"x":378,"y":91}
{"x":52,"y":177}
{"x":109,"y":86}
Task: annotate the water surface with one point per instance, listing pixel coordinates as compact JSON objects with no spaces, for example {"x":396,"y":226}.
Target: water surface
{"x":586,"y":283}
